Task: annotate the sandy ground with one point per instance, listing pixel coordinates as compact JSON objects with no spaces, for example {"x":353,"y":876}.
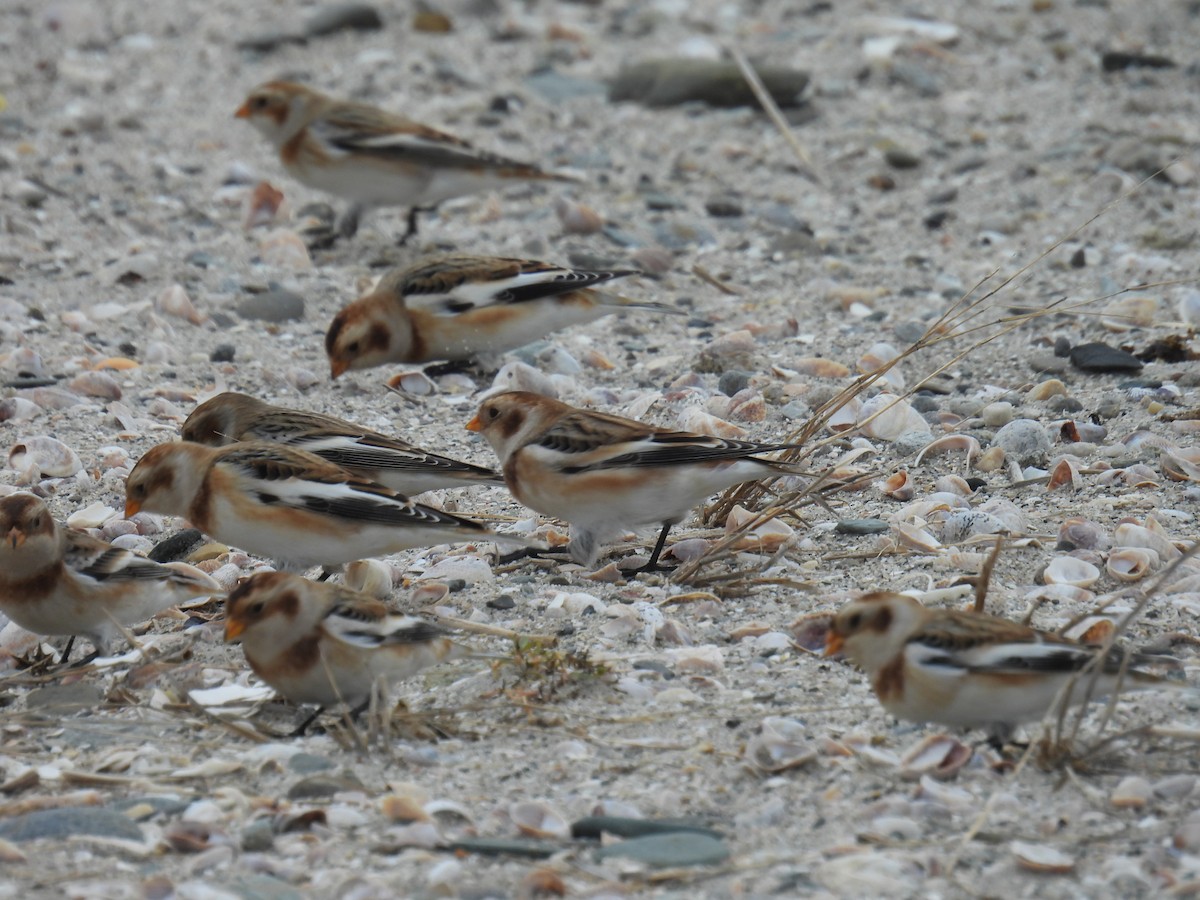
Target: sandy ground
{"x":991,"y":147}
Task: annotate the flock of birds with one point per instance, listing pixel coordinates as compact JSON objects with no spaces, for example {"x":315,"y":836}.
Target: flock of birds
{"x":306,"y":489}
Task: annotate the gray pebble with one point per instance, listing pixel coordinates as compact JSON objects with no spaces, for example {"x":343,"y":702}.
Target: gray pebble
{"x":996,"y":414}
{"x":1063,"y":403}
{"x":322,"y":785}
{"x":660,"y":202}
{"x":1098,"y":357}
{"x":965,"y":406}
{"x":1048,"y":363}
{"x":911,"y":442}
{"x":1025,"y":441}
{"x":62,"y":697}
{"x":671,"y":82}
{"x":254,"y":886}
{"x":309,"y":763}
{"x":275,"y":305}
{"x":342,"y":17}
{"x":668,"y":850}
{"x":909,"y":331}
{"x":723,"y":208}
{"x":556,"y":87}
{"x":795,"y":410}
{"x":733,"y":381}
{"x":861,"y":526}
{"x":923,"y":403}
{"x":69,"y":821}
{"x":595,"y":826}
{"x":258,"y":836}
{"x":223,"y":353}
{"x":1110,"y":406}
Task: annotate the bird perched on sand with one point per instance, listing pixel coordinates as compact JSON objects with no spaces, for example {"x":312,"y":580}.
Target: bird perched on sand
{"x":231,"y":417}
{"x":973,"y":670}
{"x":55,"y":580}
{"x":371,"y":157}
{"x":325,"y":644}
{"x":288,"y":505}
{"x":605,"y":474}
{"x":461,"y":307}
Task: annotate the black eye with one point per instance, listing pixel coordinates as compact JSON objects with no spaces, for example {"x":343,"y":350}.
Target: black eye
{"x":352,"y":347}
{"x":493,"y":413}
{"x":255,"y":608}
{"x":854,"y":621}
{"x":259,"y":103}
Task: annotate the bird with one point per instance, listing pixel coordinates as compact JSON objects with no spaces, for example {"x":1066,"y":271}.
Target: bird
{"x":372,"y":157}
{"x":457,"y":308}
{"x":289,"y":505}
{"x":973,"y":670}
{"x":605,"y":474}
{"x":59,"y":581}
{"x":324,"y":644}
{"x":230,"y":417}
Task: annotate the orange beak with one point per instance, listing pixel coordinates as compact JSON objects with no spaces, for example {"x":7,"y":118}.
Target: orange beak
{"x":475,"y":424}
{"x":234,"y":629}
{"x":833,"y":644}
{"x":243,"y":112}
{"x":337,"y":367}
{"x":16,"y":537}
{"x":132,"y":508}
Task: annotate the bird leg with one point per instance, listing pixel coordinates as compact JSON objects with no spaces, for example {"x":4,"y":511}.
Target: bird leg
{"x":533,"y":553}
{"x":303,"y":726}
{"x":653,"y":565}
{"x":66,"y":654}
{"x":413,"y":212}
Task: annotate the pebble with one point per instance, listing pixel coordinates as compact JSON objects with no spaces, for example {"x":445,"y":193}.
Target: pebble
{"x":1100,"y":358}
{"x":177,"y":546}
{"x":555,"y":87}
{"x":308,"y":763}
{"x":671,"y":82}
{"x":594,"y":827}
{"x":1133,"y":791}
{"x":258,"y":836}
{"x":861,"y":526}
{"x":274,"y":305}
{"x":96,"y":821}
{"x":1025,"y":441}
{"x":996,"y":414}
{"x":320,"y":786}
{"x":223,"y":353}
{"x":669,"y":850}
{"x":342,"y":17}
{"x":723,"y":208}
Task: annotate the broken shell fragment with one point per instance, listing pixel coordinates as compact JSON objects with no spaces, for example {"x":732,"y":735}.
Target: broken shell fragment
{"x":415,"y":383}
{"x":937,"y":755}
{"x":767,"y":536}
{"x":539,"y":820}
{"x":898,"y":486}
{"x":46,"y":455}
{"x":1042,"y":858}
{"x":780,"y":746}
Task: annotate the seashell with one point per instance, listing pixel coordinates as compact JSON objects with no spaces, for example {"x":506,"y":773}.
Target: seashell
{"x":1082,"y":534}
{"x":780,"y":746}
{"x":914,"y":538}
{"x":369,"y":576}
{"x":1051,"y":387}
{"x":116,"y":364}
{"x":302,"y":379}
{"x":951,"y":443}
{"x":429,"y":593}
{"x":767,"y":536}
{"x":844,"y":417}
{"x":697,"y":420}
{"x":1093,"y":630}
{"x":53,"y":398}
{"x":556,"y":360}
{"x":26,"y":361}
{"x":1132,"y":792}
{"x":964,"y":523}
{"x":403,"y":808}
{"x":1069,"y":570}
{"x":95,"y":384}
{"x":18,"y":409}
{"x":175,"y":301}
{"x":537,"y":819}
{"x":1067,"y":593}
{"x":519,"y":376}
{"x":1126,"y":313}
{"x":1063,"y":475}
{"x":76,"y":321}
{"x":1131,"y":563}
{"x":1042,"y":858}
{"x":748,"y":406}
{"x":820,"y":367}
{"x":886,"y":416}
{"x":1007,"y":512}
{"x":42,"y":455}
{"x":286,"y":248}
{"x":227,"y":576}
{"x":594,"y":359}
{"x":689,"y":549}
{"x":262,"y":206}
{"x":876,"y":357}
{"x":953,"y":484}
{"x":577,"y":218}
{"x":1130,"y":535}
{"x":157,"y":353}
{"x":92,"y":516}
{"x":898,"y":486}
{"x":1181,"y":465}
{"x":937,"y":755}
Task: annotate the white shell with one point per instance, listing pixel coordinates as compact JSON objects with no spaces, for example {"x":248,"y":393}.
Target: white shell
{"x":898,"y":486}
{"x":47,"y":455}
{"x":95,"y":384}
{"x":538,"y":819}
{"x":768,"y":536}
{"x":780,"y":746}
{"x":175,"y":302}
{"x":892,"y":418}
{"x":951,"y":443}
{"x":1069,"y":570}
{"x":369,"y":576}
{"x":1131,"y":563}
{"x":92,"y":516}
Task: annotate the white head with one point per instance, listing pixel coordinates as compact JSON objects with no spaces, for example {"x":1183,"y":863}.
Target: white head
{"x":29,"y":537}
{"x":873,"y":629}
{"x":371,"y":331}
{"x":510,"y":420}
{"x":167,"y":479}
{"x":279,"y":109}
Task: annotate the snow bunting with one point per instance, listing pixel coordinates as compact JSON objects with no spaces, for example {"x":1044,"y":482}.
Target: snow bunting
{"x":288,"y":505}
{"x":371,"y":157}
{"x":231,"y":417}
{"x":459,"y":307}
{"x":326,"y":644}
{"x":972,"y":670}
{"x":603,"y":473}
{"x":59,"y":581}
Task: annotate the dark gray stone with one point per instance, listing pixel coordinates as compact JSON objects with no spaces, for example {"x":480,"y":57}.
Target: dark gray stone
{"x":258,"y":836}
{"x":1098,"y":357}
{"x":61,"y":697}
{"x":593,"y":826}
{"x":343,"y":17}
{"x":68,"y":822}
{"x":861,"y":526}
{"x":733,"y":381}
{"x":275,"y":305}
{"x":506,"y":847}
{"x":556,"y":87}
{"x":320,"y":786}
{"x":670,"y":82}
{"x":309,"y":763}
{"x":176,"y":546}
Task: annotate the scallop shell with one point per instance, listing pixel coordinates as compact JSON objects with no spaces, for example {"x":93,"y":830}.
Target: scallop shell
{"x":697,"y":420}
{"x":42,"y":455}
{"x":844,"y":417}
{"x":898,"y":486}
{"x":1131,"y":563}
{"x":953,"y":484}
{"x":1181,"y":465}
{"x":1069,"y":570}
{"x":937,"y":755}
{"x":1130,"y":535}
{"x":780,"y":746}
{"x":539,"y":820}
{"x":95,"y":384}
{"x":951,"y":443}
